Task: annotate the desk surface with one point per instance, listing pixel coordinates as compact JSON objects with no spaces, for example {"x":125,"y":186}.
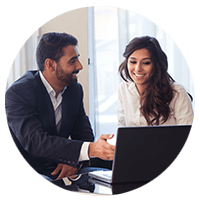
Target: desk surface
{"x":86,"y":184}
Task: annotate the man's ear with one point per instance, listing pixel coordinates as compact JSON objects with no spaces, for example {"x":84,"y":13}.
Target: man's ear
{"x":49,"y":64}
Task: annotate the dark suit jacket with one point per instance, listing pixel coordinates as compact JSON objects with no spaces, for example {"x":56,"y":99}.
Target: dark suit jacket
{"x":31,"y":119}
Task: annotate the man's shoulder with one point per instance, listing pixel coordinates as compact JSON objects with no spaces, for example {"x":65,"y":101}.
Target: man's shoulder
{"x":28,"y":78}
{"x":25,"y":83}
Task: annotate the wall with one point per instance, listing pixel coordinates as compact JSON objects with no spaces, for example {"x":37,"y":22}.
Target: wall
{"x":74,"y":23}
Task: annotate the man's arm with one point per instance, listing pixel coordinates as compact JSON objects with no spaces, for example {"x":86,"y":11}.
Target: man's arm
{"x":23,"y":120}
{"x":101,"y":148}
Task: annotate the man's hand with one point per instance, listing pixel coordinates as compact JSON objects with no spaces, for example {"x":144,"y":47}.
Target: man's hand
{"x":66,"y":171}
{"x":101,"y":148}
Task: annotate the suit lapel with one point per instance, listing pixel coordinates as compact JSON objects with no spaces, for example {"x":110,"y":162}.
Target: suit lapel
{"x":47,"y":102}
{"x":69,"y":112}
{"x":66,"y":112}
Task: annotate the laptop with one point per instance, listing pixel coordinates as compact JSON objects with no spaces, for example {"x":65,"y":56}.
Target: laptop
{"x":143,"y":153}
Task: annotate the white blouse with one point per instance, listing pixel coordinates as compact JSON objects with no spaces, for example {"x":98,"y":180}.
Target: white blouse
{"x":129,"y":107}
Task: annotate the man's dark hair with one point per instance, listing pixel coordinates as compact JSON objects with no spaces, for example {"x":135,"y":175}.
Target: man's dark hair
{"x":51,"y":46}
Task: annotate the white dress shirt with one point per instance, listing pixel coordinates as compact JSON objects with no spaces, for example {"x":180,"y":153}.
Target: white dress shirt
{"x":129,"y":106}
{"x":58,"y":113}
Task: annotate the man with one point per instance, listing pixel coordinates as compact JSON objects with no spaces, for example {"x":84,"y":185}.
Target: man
{"x":45,"y":108}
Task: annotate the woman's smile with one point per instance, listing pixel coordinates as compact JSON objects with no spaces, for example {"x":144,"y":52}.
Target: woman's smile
{"x":139,"y":75}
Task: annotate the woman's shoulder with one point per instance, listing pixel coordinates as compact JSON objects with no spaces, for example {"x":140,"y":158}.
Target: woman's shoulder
{"x":180,"y":91}
{"x":178,"y":87}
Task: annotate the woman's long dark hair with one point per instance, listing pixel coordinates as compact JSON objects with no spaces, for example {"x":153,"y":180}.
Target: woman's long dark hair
{"x":156,"y":98}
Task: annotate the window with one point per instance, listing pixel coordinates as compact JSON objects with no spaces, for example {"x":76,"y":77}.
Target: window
{"x":25,"y":59}
{"x":106,"y":53}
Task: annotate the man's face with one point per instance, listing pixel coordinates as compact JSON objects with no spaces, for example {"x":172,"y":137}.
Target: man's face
{"x":68,"y":66}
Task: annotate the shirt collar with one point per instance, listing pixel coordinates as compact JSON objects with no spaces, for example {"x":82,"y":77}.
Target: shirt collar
{"x":48,"y":86}
{"x":133,"y":89}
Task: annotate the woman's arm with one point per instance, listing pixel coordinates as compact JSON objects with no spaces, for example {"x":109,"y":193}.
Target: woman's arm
{"x":183,"y":111}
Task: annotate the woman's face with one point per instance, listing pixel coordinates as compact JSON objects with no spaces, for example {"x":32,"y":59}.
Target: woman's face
{"x":140,"y":68}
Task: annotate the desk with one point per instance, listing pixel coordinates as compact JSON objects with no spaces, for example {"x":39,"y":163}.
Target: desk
{"x":86,"y":184}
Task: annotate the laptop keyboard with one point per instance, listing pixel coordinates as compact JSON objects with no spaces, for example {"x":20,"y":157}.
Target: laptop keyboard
{"x":107,"y":174}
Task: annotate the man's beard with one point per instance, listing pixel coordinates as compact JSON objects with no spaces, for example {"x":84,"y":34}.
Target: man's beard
{"x":66,"y":78}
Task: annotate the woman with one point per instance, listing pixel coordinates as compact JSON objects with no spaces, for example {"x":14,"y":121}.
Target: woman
{"x":149,"y":95}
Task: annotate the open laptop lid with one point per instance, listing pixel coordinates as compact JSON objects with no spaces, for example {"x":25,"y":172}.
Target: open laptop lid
{"x":142,"y":153}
